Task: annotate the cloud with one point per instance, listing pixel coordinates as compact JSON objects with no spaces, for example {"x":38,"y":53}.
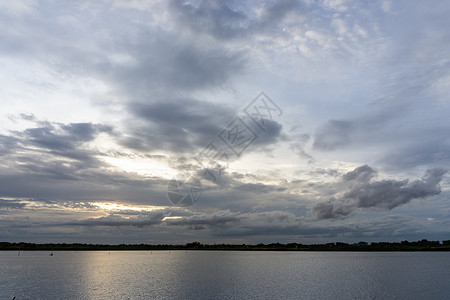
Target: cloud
{"x":324,"y":172}
{"x":61,"y":162}
{"x":63,"y":139}
{"x":116,"y":220}
{"x":365,"y":193}
{"x":186,"y":127}
{"x":269,"y":223}
{"x":52,"y":148}
{"x":225,"y":21}
{"x":8,"y":144}
{"x":368,"y":129}
{"x":273,"y":133}
{"x":218,"y":219}
{"x":362,"y":174}
{"x":174,"y":64}
{"x":433,"y":148}
{"x":334,"y":134}
{"x":177,"y":125}
{"x":61,"y":136}
{"x":11,"y":204}
{"x":228,"y":220}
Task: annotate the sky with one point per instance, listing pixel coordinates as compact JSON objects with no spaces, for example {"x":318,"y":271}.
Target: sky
{"x":158,"y":122}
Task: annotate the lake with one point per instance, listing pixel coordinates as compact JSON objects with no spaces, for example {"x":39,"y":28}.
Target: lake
{"x":224,"y":275}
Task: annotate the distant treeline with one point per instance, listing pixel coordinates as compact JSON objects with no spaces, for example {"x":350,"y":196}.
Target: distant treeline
{"x":423,"y":245}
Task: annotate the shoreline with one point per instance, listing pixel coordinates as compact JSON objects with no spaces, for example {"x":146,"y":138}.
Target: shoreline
{"x":405,"y":246}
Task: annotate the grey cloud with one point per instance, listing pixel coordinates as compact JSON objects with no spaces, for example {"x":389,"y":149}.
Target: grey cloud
{"x":228,"y":219}
{"x":334,"y":134}
{"x":432,"y":148}
{"x":331,"y":210}
{"x":51,"y":161}
{"x":215,"y":17}
{"x":179,"y":125}
{"x":168,"y":63}
{"x":157,"y":61}
{"x":8,"y":144}
{"x":11,"y":204}
{"x":54,"y":149}
{"x":362,"y":174}
{"x":405,"y":145}
{"x":218,"y":219}
{"x":116,"y":220}
{"x":272,"y":134}
{"x":185,"y":125}
{"x":388,"y":194}
{"x":282,"y":224}
{"x":365,"y":193}
{"x":227,"y":223}
{"x":51,"y":148}
{"x":325,"y":172}
{"x":258,"y":188}
{"x":224,"y":21}
{"x":62,"y":139}
{"x":87,"y":186}
{"x":56,"y":169}
{"x":404,"y":119}
{"x":299,"y":148}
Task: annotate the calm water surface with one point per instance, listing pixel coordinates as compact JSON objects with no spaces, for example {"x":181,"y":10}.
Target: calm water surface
{"x":224,"y":275}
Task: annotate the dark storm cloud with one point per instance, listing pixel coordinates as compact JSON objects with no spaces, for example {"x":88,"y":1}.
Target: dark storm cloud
{"x":363,"y":192}
{"x":223,"y":21}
